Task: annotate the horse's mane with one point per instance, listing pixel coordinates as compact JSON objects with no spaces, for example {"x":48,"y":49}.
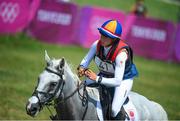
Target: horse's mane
{"x":69,"y":73}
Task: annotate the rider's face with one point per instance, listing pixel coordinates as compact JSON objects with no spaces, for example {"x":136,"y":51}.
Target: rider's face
{"x":105,"y":41}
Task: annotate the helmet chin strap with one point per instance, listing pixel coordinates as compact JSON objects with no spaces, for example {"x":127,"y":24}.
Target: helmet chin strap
{"x":108,"y":45}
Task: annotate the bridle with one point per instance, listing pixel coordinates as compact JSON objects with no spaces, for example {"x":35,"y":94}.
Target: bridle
{"x":61,"y":82}
{"x":50,"y":96}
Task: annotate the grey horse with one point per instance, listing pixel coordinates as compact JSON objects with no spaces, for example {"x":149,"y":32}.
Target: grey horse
{"x":59,"y":86}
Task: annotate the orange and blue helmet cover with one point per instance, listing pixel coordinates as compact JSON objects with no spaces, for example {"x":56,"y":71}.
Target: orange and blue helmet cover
{"x":111,"y":29}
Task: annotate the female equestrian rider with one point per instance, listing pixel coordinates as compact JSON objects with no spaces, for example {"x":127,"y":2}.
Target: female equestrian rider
{"x":114,"y":59}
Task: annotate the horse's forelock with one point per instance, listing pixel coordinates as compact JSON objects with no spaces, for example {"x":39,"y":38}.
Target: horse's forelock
{"x":54,"y":64}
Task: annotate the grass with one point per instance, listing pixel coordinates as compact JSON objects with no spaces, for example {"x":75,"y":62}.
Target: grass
{"x":22,"y":60}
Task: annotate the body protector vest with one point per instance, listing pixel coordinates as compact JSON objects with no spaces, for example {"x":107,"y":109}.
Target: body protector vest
{"x":106,"y":64}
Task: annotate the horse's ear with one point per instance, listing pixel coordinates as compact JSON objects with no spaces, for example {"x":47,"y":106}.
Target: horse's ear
{"x":61,"y":63}
{"x":47,"y":58}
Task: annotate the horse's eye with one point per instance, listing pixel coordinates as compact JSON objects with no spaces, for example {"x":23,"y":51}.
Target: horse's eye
{"x":53,"y":84}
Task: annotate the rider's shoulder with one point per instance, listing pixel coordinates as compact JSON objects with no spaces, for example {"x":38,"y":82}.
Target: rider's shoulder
{"x":95,"y":43}
{"x":122,"y":56}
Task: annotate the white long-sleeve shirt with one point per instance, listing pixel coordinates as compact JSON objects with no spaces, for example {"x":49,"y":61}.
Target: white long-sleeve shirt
{"x":119,"y":65}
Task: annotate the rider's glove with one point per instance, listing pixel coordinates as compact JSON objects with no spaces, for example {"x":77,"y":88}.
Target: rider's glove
{"x":80,"y":71}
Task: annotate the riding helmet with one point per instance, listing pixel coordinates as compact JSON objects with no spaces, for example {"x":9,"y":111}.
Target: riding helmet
{"x":111,"y":29}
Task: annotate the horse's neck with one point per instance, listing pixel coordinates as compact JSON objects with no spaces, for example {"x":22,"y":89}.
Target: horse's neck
{"x":72,"y":106}
{"x":71,"y":80}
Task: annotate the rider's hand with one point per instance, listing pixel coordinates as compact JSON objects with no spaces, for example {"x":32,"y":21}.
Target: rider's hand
{"x":90,"y":74}
{"x":80,"y":71}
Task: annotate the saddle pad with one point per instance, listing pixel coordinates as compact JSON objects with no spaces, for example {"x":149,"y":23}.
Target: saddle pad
{"x":93,"y":93}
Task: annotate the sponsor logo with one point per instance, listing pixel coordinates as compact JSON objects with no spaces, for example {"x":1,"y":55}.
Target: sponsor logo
{"x":9,"y":11}
{"x":149,"y":33}
{"x":54,"y":17}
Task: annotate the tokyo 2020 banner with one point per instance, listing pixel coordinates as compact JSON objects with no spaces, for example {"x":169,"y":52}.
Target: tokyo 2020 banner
{"x":150,"y":38}
{"x":55,"y":22}
{"x":177,"y":44}
{"x":15,"y":15}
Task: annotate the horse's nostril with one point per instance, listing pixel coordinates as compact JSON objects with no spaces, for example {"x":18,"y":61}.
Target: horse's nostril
{"x":31,"y":110}
{"x":34,"y":109}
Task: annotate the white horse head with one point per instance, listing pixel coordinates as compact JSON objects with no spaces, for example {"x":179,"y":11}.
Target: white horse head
{"x":59,"y":84}
{"x":49,"y":87}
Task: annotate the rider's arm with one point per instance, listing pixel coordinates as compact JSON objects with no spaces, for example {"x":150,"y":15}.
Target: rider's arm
{"x":119,"y":71}
{"x":89,"y":56}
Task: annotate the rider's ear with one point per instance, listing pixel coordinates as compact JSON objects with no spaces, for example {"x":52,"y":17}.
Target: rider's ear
{"x":61,"y":63}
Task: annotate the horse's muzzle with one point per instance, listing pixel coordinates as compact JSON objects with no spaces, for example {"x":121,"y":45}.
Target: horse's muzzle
{"x":32,"y":109}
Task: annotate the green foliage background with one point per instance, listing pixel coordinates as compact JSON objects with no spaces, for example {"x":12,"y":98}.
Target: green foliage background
{"x":22,"y":60}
